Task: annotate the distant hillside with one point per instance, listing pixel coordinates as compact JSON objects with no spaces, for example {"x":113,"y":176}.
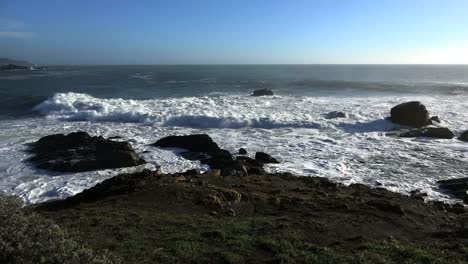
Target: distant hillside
{"x":5,"y":61}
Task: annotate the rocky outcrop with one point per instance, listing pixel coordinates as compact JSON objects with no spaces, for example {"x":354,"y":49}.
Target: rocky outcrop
{"x":79,"y":151}
{"x":242,"y":151}
{"x":204,"y":149}
{"x":262,"y":92}
{"x":431,"y":132}
{"x":9,"y":67}
{"x":335,"y":114}
{"x":194,"y":143}
{"x":456,"y":187}
{"x":412,"y":114}
{"x":464,"y":136}
{"x":265,"y":158}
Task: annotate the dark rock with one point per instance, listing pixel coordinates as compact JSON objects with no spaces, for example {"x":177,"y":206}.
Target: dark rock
{"x":79,"y":151}
{"x":262,"y":92}
{"x":417,"y":194}
{"x":464,"y":136}
{"x":194,"y":143}
{"x":456,"y":187}
{"x":412,"y":114}
{"x":265,"y":158}
{"x":457,"y":208}
{"x":9,"y":67}
{"x":242,"y":151}
{"x":253,"y":166}
{"x":432,"y":132}
{"x":205,"y":150}
{"x":335,"y":114}
{"x":435,"y":119}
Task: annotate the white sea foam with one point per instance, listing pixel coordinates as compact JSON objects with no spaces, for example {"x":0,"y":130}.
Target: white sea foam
{"x":355,"y":149}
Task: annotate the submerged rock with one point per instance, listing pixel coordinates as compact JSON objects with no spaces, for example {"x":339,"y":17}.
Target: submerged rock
{"x":464,"y":136}
{"x":335,"y":114}
{"x":265,"y":158}
{"x":412,"y":114}
{"x":262,"y":92}
{"x":432,"y":132}
{"x":79,"y":151}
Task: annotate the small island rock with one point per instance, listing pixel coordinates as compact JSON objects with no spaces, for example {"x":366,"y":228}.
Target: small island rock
{"x":262,"y":92}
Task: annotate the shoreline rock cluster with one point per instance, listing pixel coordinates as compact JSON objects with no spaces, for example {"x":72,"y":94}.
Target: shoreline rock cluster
{"x":202,"y":148}
{"x":414,"y":114}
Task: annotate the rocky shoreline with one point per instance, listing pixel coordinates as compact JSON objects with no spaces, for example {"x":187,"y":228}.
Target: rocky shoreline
{"x":238,"y":213}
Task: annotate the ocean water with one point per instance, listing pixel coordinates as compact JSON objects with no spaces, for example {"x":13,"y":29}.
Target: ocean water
{"x":144,"y":103}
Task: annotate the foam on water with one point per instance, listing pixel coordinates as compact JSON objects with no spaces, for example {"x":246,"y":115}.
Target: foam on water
{"x":355,"y":149}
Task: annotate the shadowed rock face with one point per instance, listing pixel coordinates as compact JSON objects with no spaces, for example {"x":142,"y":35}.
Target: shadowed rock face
{"x":79,"y":151}
{"x":262,"y":92}
{"x":432,"y":132}
{"x":464,"y":136}
{"x":456,"y":187}
{"x":412,"y":114}
{"x":265,"y":158}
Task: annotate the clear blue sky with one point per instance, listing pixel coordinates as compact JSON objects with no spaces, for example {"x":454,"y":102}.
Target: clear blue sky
{"x":237,"y":31}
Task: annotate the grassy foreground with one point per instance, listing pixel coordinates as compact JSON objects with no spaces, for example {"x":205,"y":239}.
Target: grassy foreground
{"x":152,"y":218}
{"x":159,"y":237}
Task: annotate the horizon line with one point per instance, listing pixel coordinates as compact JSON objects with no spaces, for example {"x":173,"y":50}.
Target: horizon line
{"x":263,"y":64}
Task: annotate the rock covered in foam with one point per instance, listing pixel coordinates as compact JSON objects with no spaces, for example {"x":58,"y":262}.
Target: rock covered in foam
{"x":412,"y":114}
{"x":431,"y":132}
{"x":77,"y":152}
{"x":262,"y":92}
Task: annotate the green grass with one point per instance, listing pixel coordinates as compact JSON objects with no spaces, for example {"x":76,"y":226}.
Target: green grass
{"x":153,"y":236}
{"x":26,"y":237}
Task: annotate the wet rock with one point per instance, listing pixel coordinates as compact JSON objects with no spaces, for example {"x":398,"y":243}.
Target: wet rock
{"x":417,"y":194}
{"x":242,"y":151}
{"x":456,"y":187}
{"x":204,"y":149}
{"x":265,"y":158}
{"x":464,"y":136}
{"x":253,"y":166}
{"x":335,"y":114}
{"x":79,"y":151}
{"x":194,"y":143}
{"x":262,"y":92}
{"x":432,"y":132}
{"x":435,"y":119}
{"x":412,"y":114}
